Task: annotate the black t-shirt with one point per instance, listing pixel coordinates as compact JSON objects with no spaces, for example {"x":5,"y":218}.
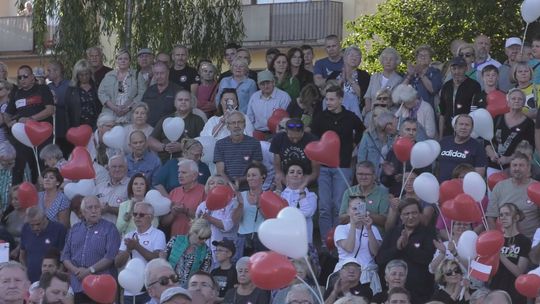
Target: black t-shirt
{"x":184,"y":77}
{"x":507,"y":139}
{"x":258,"y":296}
{"x":360,"y":290}
{"x":26,"y":103}
{"x":225,"y":278}
{"x":453,"y":154}
{"x":288,"y":151}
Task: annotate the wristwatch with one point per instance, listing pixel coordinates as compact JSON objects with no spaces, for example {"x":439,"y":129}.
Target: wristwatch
{"x":92,"y":269}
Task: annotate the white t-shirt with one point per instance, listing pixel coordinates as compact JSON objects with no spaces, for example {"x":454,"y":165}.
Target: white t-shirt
{"x":363,"y":257}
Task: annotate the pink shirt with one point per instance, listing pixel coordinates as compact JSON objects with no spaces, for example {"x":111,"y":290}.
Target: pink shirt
{"x":191,"y":200}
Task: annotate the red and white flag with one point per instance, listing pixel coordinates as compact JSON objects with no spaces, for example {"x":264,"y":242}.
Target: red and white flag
{"x":480,"y":271}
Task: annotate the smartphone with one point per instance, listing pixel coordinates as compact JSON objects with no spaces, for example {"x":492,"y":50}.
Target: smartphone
{"x":361,"y":209}
{"x":230,"y":105}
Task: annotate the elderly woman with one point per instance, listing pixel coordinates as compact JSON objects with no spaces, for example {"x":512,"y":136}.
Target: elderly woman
{"x":52,"y":156}
{"x":139,"y":118}
{"x":189,"y":253}
{"x":453,"y":287}
{"x":216,"y":126}
{"x":193,"y":125}
{"x":97,"y":148}
{"x":7,"y":161}
{"x":354,"y":81}
{"x":411,"y":106}
{"x":467,"y":52}
{"x":426,"y":79}
{"x":53,"y":201}
{"x":510,"y":129}
{"x":388,"y":78}
{"x":137,"y":188}
{"x":383,"y":99}
{"x":246,"y":291}
{"x":522,"y":75}
{"x":82,"y":102}
{"x":207,"y":89}
{"x":120,"y":88}
{"x":395,"y":274}
{"x":239,"y":81}
{"x":378,"y":138}
{"x":5,"y":90}
{"x":296,"y":64}
{"x":284,"y":80}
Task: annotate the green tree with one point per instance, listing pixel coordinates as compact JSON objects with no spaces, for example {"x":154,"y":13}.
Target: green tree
{"x":205,"y":26}
{"x":406,"y":24}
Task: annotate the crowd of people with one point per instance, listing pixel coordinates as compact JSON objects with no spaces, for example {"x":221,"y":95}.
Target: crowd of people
{"x":376,"y":241}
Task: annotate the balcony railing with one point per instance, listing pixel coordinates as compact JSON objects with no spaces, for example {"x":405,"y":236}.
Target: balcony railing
{"x":16,"y":34}
{"x":286,"y":23}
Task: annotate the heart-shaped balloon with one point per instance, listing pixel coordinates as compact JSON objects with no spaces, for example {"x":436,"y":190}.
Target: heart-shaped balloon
{"x":218,"y":197}
{"x":79,"y":136}
{"x":84,"y":187}
{"x":474,"y":185}
{"x":38,"y":131}
{"x":269,"y":270}
{"x":286,"y":234}
{"x":27,"y":195}
{"x":100,"y":288}
{"x":326,"y":150}
{"x":528,"y":285}
{"x":450,"y":189}
{"x":496,"y":103}
{"x":402,"y":148}
{"x":131,"y":278}
{"x":533,"y":191}
{"x":275,"y":119}
{"x":489,"y":243}
{"x":79,"y":166}
{"x":19,"y":133}
{"x":209,"y":145}
{"x":329,"y":240}
{"x":271,"y":203}
{"x":161,"y":204}
{"x":496,"y":177}
{"x":115,"y":137}
{"x":462,"y":208}
{"x":173,"y":128}
{"x":426,"y":187}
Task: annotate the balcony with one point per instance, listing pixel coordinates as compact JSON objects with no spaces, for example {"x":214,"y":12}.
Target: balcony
{"x":287,"y":24}
{"x":16,"y":34}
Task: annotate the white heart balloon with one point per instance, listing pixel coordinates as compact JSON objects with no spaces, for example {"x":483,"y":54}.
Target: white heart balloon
{"x":286,"y":234}
{"x":20,"y":134}
{"x":466,"y":246}
{"x":474,"y":185}
{"x":161,"y":204}
{"x":84,"y":187}
{"x":435,"y":148}
{"x":426,"y":186}
{"x":483,"y":123}
{"x":173,"y":127}
{"x":209,"y":144}
{"x":422,"y":155}
{"x":115,"y":137}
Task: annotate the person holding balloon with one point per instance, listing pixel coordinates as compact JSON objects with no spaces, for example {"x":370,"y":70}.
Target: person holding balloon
{"x":514,"y":253}
{"x":447,"y":250}
{"x":453,"y":287}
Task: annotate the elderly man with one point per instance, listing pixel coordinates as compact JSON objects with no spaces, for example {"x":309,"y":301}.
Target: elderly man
{"x":160,"y":95}
{"x":482,"y":46}
{"x":185,"y":199}
{"x":347,"y":282}
{"x":246,"y":291}
{"x":13,"y":283}
{"x":299,"y":293}
{"x":514,"y":190}
{"x":145,"y":59}
{"x":114,"y":191}
{"x":512,"y":47}
{"x":94,"y":55}
{"x":31,"y":101}
{"x":457,"y":95}
{"x":176,"y":295}
{"x":234,"y":153}
{"x":91,"y":247}
{"x":59,"y":86}
{"x":181,"y":73}
{"x":264,"y":102}
{"x":203,"y":288}
{"x":289,"y":145}
{"x":37,"y":237}
{"x":158,"y":277}
{"x":334,"y":62}
{"x":144,"y":244}
{"x":141,"y":159}
{"x":461,"y":148}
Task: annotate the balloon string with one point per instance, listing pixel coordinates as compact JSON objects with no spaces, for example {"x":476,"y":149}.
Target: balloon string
{"x":320,"y":296}
{"x":404,"y":181}
{"x":524,"y":35}
{"x":34,"y":149}
{"x":345,"y":180}
{"x":493,"y":147}
{"x":484,"y":220}
{"x":444,"y":221}
{"x":310,"y":289}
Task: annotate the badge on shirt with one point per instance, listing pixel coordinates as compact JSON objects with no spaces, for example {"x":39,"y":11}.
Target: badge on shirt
{"x":246,"y":158}
{"x":20,"y":103}
{"x":183,"y":78}
{"x":47,"y":241}
{"x":146,"y":242}
{"x":95,"y":232}
{"x":417,"y":245}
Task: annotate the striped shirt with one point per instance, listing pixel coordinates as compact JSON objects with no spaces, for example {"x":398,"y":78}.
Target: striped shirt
{"x":237,"y":156}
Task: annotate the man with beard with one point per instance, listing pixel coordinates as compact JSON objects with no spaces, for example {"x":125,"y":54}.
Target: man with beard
{"x":13,"y":283}
{"x":514,"y":190}
{"x":482,"y":46}
{"x":53,"y":288}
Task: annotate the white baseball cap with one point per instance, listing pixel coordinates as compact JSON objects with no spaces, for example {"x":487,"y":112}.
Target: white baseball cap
{"x":512,"y":41}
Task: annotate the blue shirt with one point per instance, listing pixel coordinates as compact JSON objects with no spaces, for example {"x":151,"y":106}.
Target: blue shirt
{"x":167,"y":175}
{"x":435,"y":76}
{"x":325,"y":67}
{"x":37,"y":245}
{"x":244,"y":90}
{"x":86,"y":245}
{"x":535,"y":65}
{"x":147,"y":165}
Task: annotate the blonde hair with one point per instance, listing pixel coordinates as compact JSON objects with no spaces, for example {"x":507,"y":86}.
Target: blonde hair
{"x":200,"y":228}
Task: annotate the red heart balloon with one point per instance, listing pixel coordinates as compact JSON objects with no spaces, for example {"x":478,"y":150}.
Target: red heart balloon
{"x":462,"y":208}
{"x":330,"y":239}
{"x":528,"y":285}
{"x":402,"y":148}
{"x":450,"y":189}
{"x":496,"y":103}
{"x":494,"y":178}
{"x":79,"y":136}
{"x":79,"y":165}
{"x":37,"y":132}
{"x":533,"y":191}
{"x":27,"y":195}
{"x":275,"y":118}
{"x":489,"y":243}
{"x":100,"y":288}
{"x":270,"y":270}
{"x":218,"y":197}
{"x":271,"y":203}
{"x":326,"y":150}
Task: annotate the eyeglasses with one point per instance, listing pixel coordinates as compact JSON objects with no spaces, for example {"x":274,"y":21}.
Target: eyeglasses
{"x":295,"y":126}
{"x":383,"y":98}
{"x":137,"y":214}
{"x":453,"y":271}
{"x":21,"y":77}
{"x":466,"y":55}
{"x":164,"y":281}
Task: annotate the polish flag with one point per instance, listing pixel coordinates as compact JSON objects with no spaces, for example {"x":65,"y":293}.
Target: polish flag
{"x":480,"y":271}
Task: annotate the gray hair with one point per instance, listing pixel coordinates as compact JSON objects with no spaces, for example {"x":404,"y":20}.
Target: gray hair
{"x":350,"y":299}
{"x":13,"y":264}
{"x":153,"y":265}
{"x":94,"y":48}
{"x":350,"y":49}
{"x":299,"y":288}
{"x":492,"y":294}
{"x":395,"y":264}
{"x":390,"y":51}
{"x":242,"y":262}
{"x":121,"y":156}
{"x":105,"y":117}
{"x":403,"y":93}
{"x":233,"y":113}
{"x":86,"y":199}
{"x":7,"y":150}
{"x":51,"y":151}
{"x":34,"y":212}
{"x":478,"y":296}
{"x":146,"y":205}
{"x":513,"y":90}
{"x":191,"y":164}
{"x":385,"y":118}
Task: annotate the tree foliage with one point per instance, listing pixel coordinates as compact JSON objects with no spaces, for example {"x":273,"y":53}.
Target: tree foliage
{"x":406,"y":24}
{"x":205,"y":26}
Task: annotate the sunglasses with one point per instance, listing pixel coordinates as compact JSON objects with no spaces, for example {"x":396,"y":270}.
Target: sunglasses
{"x":466,"y":55}
{"x":136,"y":214}
{"x":453,"y":271}
{"x":21,"y":77}
{"x":164,"y":281}
{"x":295,"y":126}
